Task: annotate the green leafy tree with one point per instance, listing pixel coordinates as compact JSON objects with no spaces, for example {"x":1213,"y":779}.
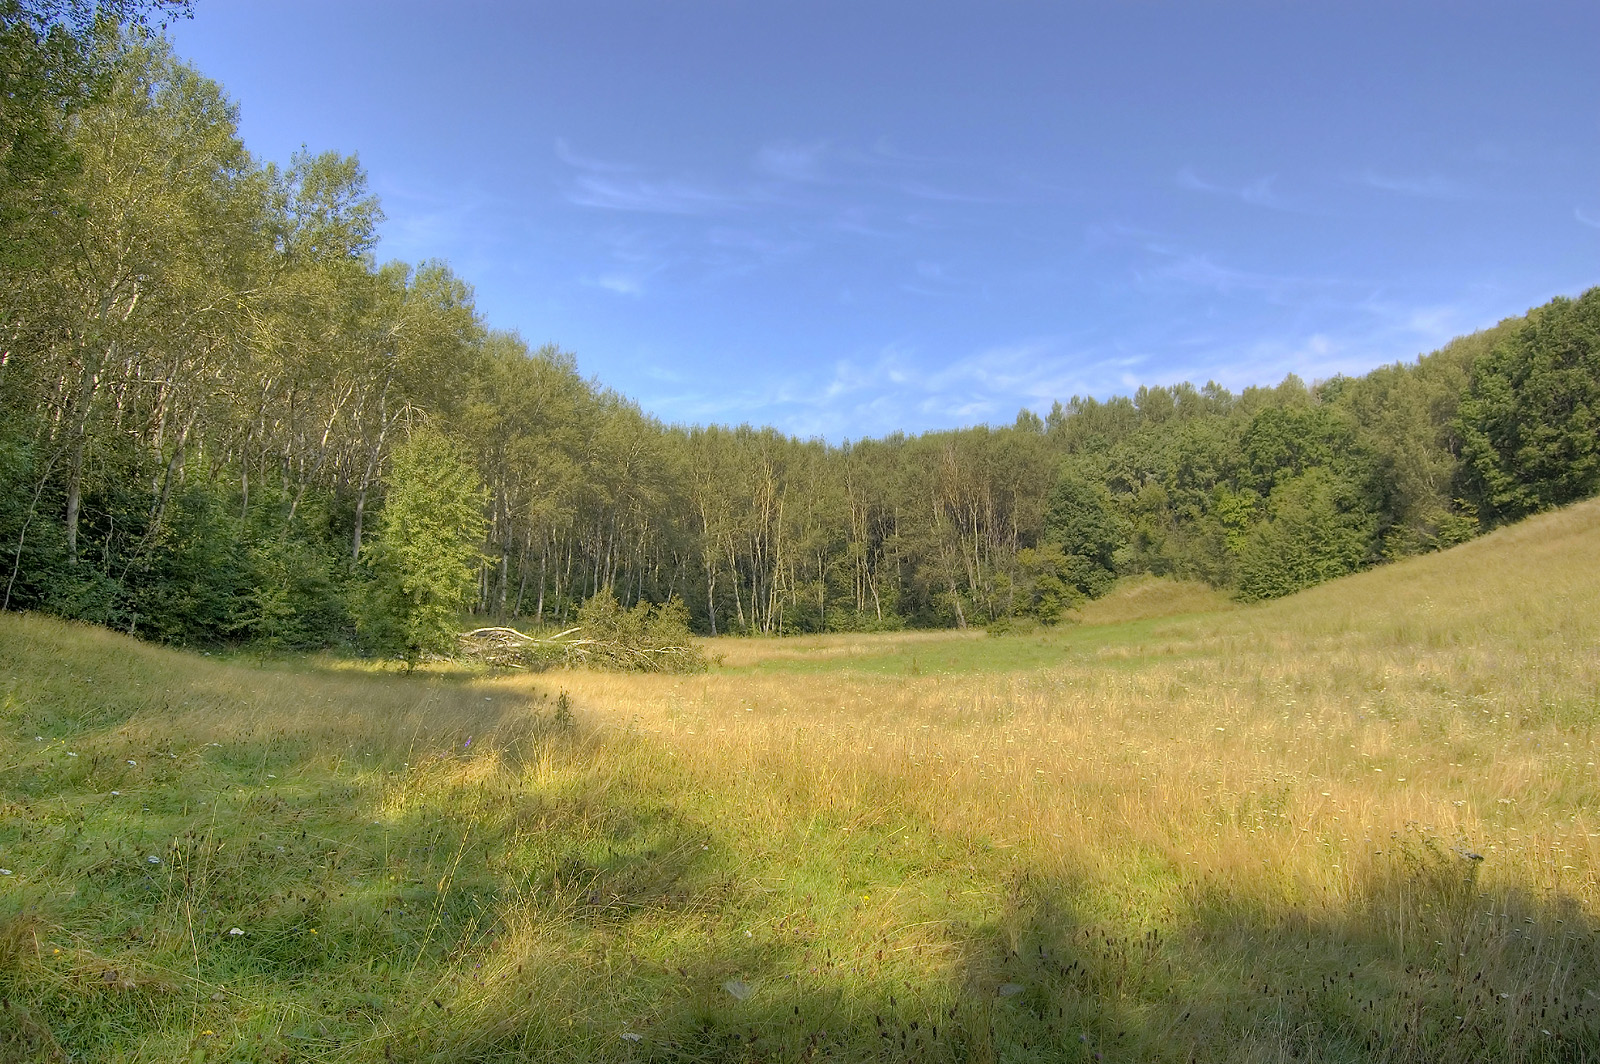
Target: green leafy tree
{"x":428,"y":551}
{"x":1530,"y":420}
{"x":295,"y":599}
{"x":54,"y":56}
{"x":1081,"y":522}
{"x":1406,"y":421}
{"x":1316,"y":529}
{"x":1047,"y":582}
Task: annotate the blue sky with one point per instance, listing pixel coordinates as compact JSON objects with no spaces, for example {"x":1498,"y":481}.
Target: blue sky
{"x":846,"y":219}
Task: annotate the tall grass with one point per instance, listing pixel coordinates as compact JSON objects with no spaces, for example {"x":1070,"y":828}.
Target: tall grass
{"x":1357,"y":824}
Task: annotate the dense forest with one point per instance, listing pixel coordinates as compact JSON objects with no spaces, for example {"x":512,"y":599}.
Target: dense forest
{"x":223,"y":419}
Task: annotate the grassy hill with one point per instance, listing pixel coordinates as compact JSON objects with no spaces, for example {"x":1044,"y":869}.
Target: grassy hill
{"x":1359,"y":823}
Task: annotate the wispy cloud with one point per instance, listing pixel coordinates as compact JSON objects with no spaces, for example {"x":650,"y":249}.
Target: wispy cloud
{"x":634,"y":255}
{"x":752,"y":243}
{"x":1429,"y":323}
{"x":565,"y":153}
{"x":420,"y":222}
{"x":653,"y":196}
{"x":1430,"y":186}
{"x":789,"y":161}
{"x":620,"y":283}
{"x":902,"y":384}
{"x":1591,"y":220}
{"x":909,"y":384}
{"x":924,"y":191}
{"x":1196,"y":270}
{"x":617,"y":186}
{"x":1258,"y":193}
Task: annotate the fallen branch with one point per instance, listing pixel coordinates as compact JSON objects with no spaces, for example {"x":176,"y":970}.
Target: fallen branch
{"x":509,"y":648}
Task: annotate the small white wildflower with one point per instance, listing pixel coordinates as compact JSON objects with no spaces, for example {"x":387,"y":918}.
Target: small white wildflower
{"x":270,"y":776}
{"x":71,"y":754}
{"x":235,"y":931}
{"x":627,"y":1036}
{"x":5,"y":871}
{"x":152,"y":859}
{"x":116,"y":794}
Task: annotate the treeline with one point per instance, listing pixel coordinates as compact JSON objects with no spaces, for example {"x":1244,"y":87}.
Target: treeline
{"x":224,"y":420}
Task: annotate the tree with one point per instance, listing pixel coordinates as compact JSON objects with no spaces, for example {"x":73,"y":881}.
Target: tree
{"x":1081,"y":522}
{"x":1530,"y":419}
{"x":53,"y":60}
{"x":425,"y":562}
{"x":1316,"y":529}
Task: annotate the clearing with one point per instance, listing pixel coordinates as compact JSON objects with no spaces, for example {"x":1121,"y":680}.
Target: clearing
{"x":1360,"y":823}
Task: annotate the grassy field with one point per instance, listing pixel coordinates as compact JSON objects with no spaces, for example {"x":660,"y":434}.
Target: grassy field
{"x":1358,"y":824}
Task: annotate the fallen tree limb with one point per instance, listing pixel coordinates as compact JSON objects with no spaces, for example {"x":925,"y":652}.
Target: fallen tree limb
{"x":634,"y":651}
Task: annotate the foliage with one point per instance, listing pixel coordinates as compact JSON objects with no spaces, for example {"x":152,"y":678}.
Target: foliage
{"x":424,"y":567}
{"x":1315,"y":530}
{"x":54,"y":61}
{"x":296,"y":599}
{"x":645,"y":638}
{"x":1080,"y":520}
{"x":1530,"y":419}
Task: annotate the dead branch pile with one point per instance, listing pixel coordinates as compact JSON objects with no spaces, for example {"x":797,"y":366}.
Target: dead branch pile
{"x":644,"y":639}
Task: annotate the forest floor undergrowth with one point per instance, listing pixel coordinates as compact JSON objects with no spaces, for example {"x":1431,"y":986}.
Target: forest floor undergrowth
{"x":1362,"y":823}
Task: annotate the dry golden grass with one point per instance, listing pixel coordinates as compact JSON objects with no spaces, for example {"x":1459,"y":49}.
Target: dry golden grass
{"x":1331,"y":758}
{"x":1455,"y":693}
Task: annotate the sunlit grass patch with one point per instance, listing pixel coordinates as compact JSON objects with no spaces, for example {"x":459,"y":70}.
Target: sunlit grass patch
{"x":1144,"y":597}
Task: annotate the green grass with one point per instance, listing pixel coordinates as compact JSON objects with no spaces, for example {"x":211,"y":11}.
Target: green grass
{"x":398,"y":892}
{"x":1159,"y":834}
{"x":1136,"y":616}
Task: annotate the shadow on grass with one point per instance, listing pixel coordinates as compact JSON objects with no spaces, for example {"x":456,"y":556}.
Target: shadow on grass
{"x":592,"y":924}
{"x":1423,"y":966}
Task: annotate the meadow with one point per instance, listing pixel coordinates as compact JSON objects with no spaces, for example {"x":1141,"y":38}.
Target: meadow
{"x":1359,"y":823}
